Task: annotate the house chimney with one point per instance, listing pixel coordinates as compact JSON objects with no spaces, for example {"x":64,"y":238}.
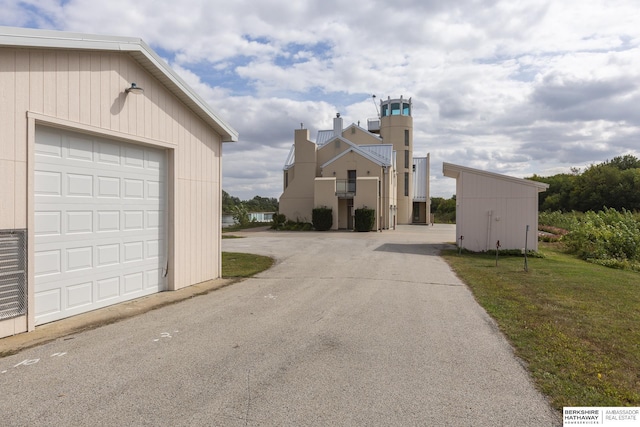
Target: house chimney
{"x":337,"y":125}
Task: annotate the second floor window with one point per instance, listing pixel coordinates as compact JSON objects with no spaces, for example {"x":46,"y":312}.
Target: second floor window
{"x":351,"y":181}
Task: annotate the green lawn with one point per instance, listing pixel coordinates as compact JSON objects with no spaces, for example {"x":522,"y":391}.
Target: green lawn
{"x":236,"y":264}
{"x":576,"y":324}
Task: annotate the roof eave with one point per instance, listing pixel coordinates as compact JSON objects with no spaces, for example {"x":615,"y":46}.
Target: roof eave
{"x":453,"y":171}
{"x":137,"y":49}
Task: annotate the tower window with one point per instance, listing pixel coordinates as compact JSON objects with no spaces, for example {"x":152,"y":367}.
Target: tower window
{"x":406,"y":159}
{"x":395,"y":109}
{"x":406,"y":137}
{"x":406,"y":109}
{"x":406,"y":183}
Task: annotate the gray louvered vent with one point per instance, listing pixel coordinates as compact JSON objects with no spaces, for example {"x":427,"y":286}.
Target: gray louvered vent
{"x":13,"y":273}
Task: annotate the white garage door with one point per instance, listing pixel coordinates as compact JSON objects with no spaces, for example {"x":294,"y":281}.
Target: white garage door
{"x":100,"y":223}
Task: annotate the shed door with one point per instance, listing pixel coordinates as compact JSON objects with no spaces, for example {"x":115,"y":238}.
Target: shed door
{"x":100,"y":223}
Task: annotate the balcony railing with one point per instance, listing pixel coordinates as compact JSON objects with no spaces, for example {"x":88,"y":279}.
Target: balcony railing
{"x":344,"y":187}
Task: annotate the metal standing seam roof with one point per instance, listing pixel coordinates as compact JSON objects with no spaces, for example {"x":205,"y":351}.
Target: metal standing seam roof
{"x":137,"y":49}
{"x":324,"y":136}
{"x":382,"y":151}
{"x":291,"y":158}
{"x":372,"y":155}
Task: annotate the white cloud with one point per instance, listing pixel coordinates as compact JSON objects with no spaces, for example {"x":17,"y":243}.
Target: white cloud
{"x":514,"y":87}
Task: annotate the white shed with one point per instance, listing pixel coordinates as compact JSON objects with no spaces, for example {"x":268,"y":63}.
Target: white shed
{"x":493,"y":208}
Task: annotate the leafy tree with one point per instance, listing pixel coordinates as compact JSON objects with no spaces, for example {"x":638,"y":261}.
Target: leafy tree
{"x":556,"y":198}
{"x":612,"y":184}
{"x":257,"y":204}
{"x":240,"y":214}
{"x":228,"y":202}
{"x":443,"y":209}
{"x":262,"y":204}
{"x":624,"y":162}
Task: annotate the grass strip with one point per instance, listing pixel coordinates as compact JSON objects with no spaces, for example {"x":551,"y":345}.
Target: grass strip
{"x":575,"y":324}
{"x":236,"y":264}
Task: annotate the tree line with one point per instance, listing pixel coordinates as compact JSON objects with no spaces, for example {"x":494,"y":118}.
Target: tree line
{"x":230,"y":204}
{"x":612,"y":184}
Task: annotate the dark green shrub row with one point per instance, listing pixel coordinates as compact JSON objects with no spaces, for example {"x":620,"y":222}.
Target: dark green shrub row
{"x":365,"y":219}
{"x":322,"y":218}
{"x":280,"y":222}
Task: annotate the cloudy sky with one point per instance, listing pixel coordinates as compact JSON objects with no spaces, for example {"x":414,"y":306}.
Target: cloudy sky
{"x":514,"y":87}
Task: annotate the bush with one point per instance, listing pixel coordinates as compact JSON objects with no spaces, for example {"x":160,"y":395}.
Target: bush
{"x":278,"y":221}
{"x":322,"y":218}
{"x":297,"y":226}
{"x":606,"y":235}
{"x":565,"y":221}
{"x":365,"y":219}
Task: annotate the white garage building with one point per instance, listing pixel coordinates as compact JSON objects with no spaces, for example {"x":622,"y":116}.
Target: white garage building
{"x":110,"y":173}
{"x":491,"y":207}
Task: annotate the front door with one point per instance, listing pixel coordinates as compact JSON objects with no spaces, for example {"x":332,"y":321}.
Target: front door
{"x":350,"y":214}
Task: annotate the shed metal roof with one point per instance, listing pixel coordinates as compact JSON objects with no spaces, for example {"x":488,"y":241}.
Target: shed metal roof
{"x":453,"y":171}
{"x":134,"y":47}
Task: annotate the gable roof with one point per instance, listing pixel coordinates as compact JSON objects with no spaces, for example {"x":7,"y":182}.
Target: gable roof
{"x":134,"y":47}
{"x":380,"y":154}
{"x":326,"y":136}
{"x":453,"y":171}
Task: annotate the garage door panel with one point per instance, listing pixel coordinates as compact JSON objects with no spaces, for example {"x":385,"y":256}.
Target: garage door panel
{"x":80,"y":149}
{"x":78,"y":258}
{"x":47,"y":183}
{"x":108,"y":288}
{"x":48,"y":223}
{"x":79,"y":295}
{"x":79,"y":222}
{"x":100,"y":223}
{"x":48,"y":262}
{"x":133,"y":282}
{"x":48,"y":302}
{"x":108,"y":153}
{"x":78,"y":185}
{"x":133,"y":157}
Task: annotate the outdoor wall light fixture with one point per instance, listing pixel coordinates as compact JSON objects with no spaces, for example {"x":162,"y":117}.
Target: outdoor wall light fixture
{"x":134,"y":89}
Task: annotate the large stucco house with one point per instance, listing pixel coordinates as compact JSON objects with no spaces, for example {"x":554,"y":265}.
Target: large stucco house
{"x":350,"y":168}
{"x":110,"y":172}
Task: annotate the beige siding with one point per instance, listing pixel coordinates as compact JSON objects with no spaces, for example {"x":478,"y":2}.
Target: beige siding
{"x":367,"y":197}
{"x":492,"y":210}
{"x":325,"y":196}
{"x":330,"y":151}
{"x":360,"y":137}
{"x":296,"y":202}
{"x":86,"y":89}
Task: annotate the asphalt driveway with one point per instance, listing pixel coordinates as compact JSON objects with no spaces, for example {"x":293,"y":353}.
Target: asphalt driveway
{"x":399,"y":338}
{"x":347,"y":329}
